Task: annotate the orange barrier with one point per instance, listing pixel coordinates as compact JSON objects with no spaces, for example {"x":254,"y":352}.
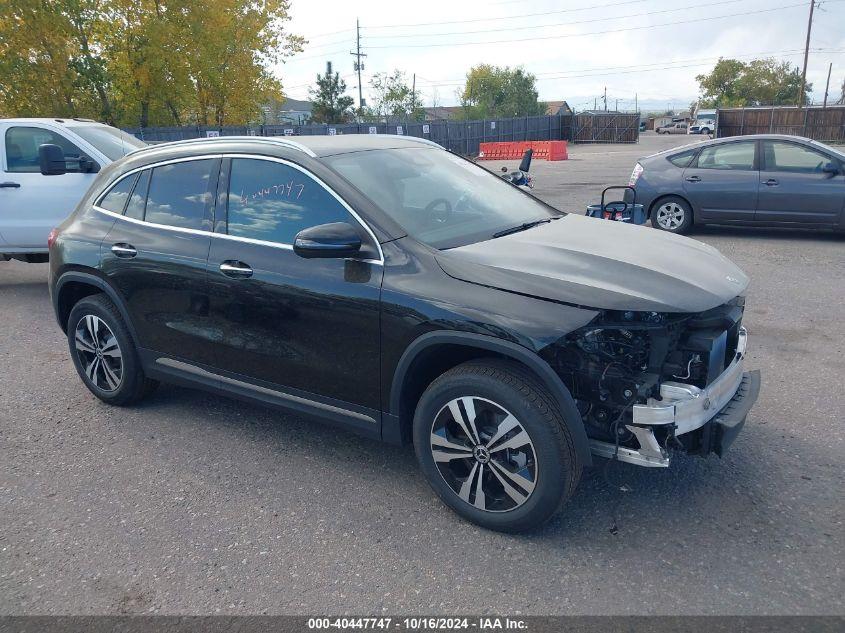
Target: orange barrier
{"x":543,"y":150}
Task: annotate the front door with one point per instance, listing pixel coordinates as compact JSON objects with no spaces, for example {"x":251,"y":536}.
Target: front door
{"x":156,"y":255}
{"x":307,"y":327}
{"x":722,"y":183}
{"x":794,"y":187}
{"x":31,"y":204}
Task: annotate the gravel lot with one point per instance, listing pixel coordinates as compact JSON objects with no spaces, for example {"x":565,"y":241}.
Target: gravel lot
{"x":198,"y":504}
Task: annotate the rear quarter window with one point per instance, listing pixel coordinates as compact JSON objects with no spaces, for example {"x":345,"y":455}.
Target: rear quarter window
{"x":683,"y":159}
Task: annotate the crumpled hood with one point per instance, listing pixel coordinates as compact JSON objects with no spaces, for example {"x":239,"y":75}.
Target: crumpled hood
{"x":601,"y":264}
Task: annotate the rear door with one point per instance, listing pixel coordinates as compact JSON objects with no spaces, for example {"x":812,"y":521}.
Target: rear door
{"x":793,"y":187}
{"x":156,"y":255}
{"x":32,"y":204}
{"x":722,"y":182}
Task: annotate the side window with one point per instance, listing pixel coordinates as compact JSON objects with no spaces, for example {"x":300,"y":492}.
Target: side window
{"x":115,"y":199}
{"x":22,"y":149}
{"x":794,"y":158}
{"x":178,"y":194}
{"x":272,"y":202}
{"x":734,"y":156}
{"x":683,"y":159}
{"x":138,"y":199}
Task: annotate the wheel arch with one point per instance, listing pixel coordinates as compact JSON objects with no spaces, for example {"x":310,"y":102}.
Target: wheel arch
{"x":74,"y":285}
{"x":433,"y":353}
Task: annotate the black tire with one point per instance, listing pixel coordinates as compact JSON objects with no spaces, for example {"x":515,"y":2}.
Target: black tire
{"x":102,"y":370}
{"x":705,"y":130}
{"x":553,"y":473}
{"x":672,"y":214}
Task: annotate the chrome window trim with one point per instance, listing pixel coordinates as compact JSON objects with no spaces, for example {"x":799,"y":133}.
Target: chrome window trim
{"x":237,"y":238}
{"x":150,"y":166}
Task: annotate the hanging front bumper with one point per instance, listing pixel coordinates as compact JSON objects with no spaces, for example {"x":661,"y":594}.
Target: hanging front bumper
{"x":682,"y":408}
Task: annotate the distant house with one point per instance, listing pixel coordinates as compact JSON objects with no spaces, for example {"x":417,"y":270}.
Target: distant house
{"x":557,"y":107}
{"x":442,"y":113}
{"x":286,"y":111}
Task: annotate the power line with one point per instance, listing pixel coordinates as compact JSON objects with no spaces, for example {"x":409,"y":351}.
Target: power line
{"x":509,"y":17}
{"x":542,"y":26}
{"x":630,"y":28}
{"x":591,"y":72}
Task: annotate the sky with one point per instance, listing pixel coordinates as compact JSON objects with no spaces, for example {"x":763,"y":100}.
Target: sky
{"x":643,"y":52}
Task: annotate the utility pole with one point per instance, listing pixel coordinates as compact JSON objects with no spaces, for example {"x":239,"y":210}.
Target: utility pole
{"x":616,"y":109}
{"x":636,"y":103}
{"x":595,"y":103}
{"x":413,"y":94}
{"x":827,"y":85}
{"x":359,"y":66}
{"x":806,"y":54}
{"x":604,"y":97}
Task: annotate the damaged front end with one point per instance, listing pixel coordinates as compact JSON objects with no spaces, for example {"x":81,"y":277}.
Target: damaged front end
{"x":645,"y":382}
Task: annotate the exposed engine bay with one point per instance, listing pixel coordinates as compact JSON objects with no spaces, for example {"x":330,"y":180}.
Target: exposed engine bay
{"x":622,"y":359}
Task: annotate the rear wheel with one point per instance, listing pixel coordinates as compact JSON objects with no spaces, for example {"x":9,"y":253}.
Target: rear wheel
{"x":104,"y":353}
{"x":672,"y":214}
{"x":492,"y":444}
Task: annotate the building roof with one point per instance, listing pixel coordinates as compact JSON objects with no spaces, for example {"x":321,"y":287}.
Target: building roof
{"x":295,"y":105}
{"x":556,"y":107}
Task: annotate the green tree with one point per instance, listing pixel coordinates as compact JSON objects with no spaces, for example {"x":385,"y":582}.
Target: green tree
{"x":330,"y":105}
{"x":392,"y":96}
{"x":493,"y":91}
{"x":758,"y":82}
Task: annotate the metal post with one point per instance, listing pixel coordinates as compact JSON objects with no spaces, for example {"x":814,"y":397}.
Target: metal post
{"x":806,"y":54}
{"x":827,"y":85}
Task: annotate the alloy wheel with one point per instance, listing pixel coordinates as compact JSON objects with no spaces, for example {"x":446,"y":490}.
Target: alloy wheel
{"x":99,"y":353}
{"x":484,"y":454}
{"x":670,"y":216}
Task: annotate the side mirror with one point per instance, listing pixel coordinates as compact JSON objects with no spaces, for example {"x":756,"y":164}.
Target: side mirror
{"x":51,"y":159}
{"x":831,"y":169}
{"x":327,"y":241}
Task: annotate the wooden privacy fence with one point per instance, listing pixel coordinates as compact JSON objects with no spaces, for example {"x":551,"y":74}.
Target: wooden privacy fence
{"x":462,"y":137}
{"x":815,"y":122}
{"x":606,"y":127}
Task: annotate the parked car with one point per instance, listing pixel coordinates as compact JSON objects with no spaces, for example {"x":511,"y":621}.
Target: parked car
{"x":30,"y":203}
{"x":398,"y":290}
{"x":769,"y":180}
{"x":678,"y":127}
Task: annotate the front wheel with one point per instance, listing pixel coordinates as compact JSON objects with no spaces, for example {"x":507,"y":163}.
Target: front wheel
{"x":491,"y":441}
{"x":672,"y":214}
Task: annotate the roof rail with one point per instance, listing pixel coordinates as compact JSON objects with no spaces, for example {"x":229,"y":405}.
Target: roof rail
{"x":274,"y":140}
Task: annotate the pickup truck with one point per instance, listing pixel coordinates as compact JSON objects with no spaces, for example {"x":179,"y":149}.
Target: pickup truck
{"x":31,"y":203}
{"x":673,"y":128}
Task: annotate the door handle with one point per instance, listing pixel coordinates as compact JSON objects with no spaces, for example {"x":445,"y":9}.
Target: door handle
{"x":10,"y":185}
{"x":771,"y":182}
{"x":124,"y":251}
{"x":235,"y":269}
{"x":693,"y":179}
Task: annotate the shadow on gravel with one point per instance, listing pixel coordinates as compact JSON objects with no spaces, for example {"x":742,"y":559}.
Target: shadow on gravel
{"x":614,"y":501}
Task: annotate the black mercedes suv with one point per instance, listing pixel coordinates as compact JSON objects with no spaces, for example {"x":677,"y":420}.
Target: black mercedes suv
{"x":390,"y":287}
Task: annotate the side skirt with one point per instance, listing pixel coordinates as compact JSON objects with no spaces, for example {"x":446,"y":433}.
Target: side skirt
{"x":360,"y":420}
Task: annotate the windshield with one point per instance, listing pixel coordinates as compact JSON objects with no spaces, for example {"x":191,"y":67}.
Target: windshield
{"x":110,"y":141}
{"x":439,"y":198}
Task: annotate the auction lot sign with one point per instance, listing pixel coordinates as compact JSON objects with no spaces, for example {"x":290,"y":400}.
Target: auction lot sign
{"x":534,"y":624}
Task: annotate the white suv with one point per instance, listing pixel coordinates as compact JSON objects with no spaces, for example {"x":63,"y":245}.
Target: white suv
{"x":32,"y":203}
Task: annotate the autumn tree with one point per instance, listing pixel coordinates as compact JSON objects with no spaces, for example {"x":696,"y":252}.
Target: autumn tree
{"x":758,"y":82}
{"x":330,"y":104}
{"x":493,"y":91}
{"x":147,"y":62}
